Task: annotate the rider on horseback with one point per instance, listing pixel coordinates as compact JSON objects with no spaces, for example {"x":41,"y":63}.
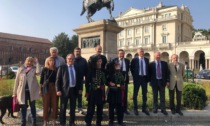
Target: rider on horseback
{"x":91,"y":6}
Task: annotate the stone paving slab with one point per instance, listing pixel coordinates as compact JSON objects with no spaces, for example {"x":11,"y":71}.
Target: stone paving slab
{"x":191,"y":117}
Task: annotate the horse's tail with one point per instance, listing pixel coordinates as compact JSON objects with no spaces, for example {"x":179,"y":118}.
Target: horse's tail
{"x":83,"y":9}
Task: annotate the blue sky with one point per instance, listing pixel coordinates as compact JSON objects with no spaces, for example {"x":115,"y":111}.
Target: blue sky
{"x":48,"y":18}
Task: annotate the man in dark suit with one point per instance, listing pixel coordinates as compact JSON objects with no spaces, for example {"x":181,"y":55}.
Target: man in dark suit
{"x":67,"y":87}
{"x":140,"y":72}
{"x":80,"y":63}
{"x":98,"y":50}
{"x":159,"y":78}
{"x":176,"y":83}
{"x":124,"y":69}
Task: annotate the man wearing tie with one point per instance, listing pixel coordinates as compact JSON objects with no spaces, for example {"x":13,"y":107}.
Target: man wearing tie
{"x":176,"y":84}
{"x":124,"y":69}
{"x":68,"y":87}
{"x":140,"y":72}
{"x":159,"y":78}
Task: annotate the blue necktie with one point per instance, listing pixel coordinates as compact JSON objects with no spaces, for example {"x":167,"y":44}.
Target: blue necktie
{"x":158,"y":70}
{"x":142,"y":69}
{"x":72,"y":76}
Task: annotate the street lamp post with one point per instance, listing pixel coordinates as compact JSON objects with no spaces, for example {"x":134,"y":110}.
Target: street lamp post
{"x":193,"y":76}
{"x":187,"y":73}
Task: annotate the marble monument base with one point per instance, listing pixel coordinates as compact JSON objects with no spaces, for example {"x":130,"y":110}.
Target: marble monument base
{"x":104,"y":33}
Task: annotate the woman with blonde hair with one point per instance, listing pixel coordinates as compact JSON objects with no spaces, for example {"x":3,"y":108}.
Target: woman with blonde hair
{"x":26,"y":88}
{"x":47,"y":90}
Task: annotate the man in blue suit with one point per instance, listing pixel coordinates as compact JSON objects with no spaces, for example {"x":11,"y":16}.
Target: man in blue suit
{"x":140,"y":72}
{"x":68,"y":86}
{"x":159,"y":78}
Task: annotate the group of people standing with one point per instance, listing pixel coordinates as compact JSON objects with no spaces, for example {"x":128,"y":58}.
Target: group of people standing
{"x":64,"y":80}
{"x":159,"y":74}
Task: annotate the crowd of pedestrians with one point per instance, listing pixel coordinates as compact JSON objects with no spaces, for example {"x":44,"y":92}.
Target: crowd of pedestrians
{"x":62,"y":80}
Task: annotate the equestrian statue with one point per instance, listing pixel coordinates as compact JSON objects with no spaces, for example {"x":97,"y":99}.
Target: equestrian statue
{"x":91,"y":6}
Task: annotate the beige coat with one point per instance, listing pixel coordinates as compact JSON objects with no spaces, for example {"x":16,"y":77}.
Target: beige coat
{"x":20,"y":82}
{"x":176,"y":76}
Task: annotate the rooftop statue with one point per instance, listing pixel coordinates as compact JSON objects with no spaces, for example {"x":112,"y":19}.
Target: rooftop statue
{"x":91,"y":6}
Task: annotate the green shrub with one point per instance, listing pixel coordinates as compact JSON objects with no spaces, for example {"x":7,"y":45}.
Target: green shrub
{"x":11,"y":75}
{"x":194,"y":96}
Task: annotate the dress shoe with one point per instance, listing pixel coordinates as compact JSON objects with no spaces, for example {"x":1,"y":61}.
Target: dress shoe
{"x":34,"y":123}
{"x":155,"y":111}
{"x":88,"y":123}
{"x":72,"y":124}
{"x":173,"y":112}
{"x":127,"y":113}
{"x":146,"y":112}
{"x":164,"y":112}
{"x":122,"y":124}
{"x":136,"y":112}
{"x":111,"y":123}
{"x":180,"y":113}
{"x":98,"y":124}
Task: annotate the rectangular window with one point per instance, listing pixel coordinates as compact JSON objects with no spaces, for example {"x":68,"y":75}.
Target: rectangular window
{"x":129,"y":42}
{"x":146,"y":40}
{"x":129,"y":32}
{"x":137,"y":41}
{"x":121,"y":43}
{"x":146,"y":29}
{"x":164,"y":39}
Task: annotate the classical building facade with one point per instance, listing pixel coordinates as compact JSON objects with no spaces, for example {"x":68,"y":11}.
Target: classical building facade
{"x":15,"y":48}
{"x":167,"y":29}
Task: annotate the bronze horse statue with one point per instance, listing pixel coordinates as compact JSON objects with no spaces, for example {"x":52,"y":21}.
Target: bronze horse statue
{"x":91,"y":6}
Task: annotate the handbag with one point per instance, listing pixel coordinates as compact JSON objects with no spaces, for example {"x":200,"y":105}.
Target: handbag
{"x":15,"y":104}
{"x":45,"y":84}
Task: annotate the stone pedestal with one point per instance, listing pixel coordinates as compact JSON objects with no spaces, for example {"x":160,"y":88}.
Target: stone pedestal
{"x":104,"y":33}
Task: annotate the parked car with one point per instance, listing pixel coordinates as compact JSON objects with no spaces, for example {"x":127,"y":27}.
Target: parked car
{"x":207,"y":75}
{"x":14,"y":69}
{"x":202,"y":74}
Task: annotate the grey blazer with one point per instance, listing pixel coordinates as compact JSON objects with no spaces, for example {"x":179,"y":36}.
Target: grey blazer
{"x":176,"y":76}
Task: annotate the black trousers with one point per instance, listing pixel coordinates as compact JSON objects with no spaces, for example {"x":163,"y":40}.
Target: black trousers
{"x":119,"y":110}
{"x":158,"y":87}
{"x":178,"y":98}
{"x":92,"y":102}
{"x":125,"y":107}
{"x":79,"y":99}
{"x":140,"y":81}
{"x":63,"y":105}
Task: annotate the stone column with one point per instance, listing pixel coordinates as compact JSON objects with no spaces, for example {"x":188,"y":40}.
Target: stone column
{"x":193,"y":64}
{"x":151,"y":35}
{"x":142,"y":35}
